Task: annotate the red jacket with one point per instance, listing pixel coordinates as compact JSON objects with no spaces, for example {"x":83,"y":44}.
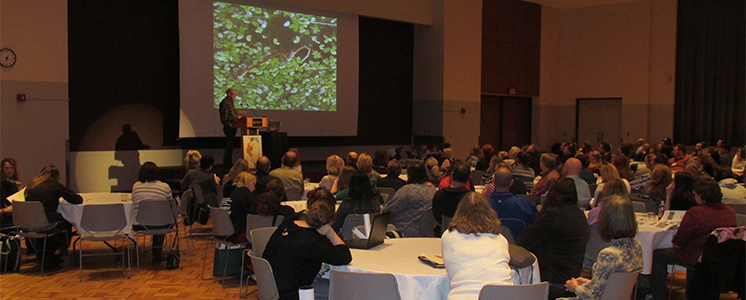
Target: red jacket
{"x":696,"y":227}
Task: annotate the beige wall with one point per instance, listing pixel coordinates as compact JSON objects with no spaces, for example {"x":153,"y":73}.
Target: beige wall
{"x":34,"y":132}
{"x":625,"y":50}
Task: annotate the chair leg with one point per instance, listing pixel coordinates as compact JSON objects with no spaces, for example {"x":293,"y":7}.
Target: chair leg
{"x":43,"y":257}
{"x":225,"y":268}
{"x":80,"y":261}
{"x":204,"y":261}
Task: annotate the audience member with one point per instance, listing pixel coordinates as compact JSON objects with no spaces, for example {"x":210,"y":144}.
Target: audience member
{"x":608,"y":172}
{"x":446,"y":179}
{"x":276,"y":187}
{"x":240,"y":165}
{"x":301,"y":244}
{"x":410,"y":203}
{"x":433,"y":171}
{"x":192,"y":159}
{"x":618,"y":225}
{"x":262,"y":175}
{"x":660,"y":179}
{"x":392,"y":180}
{"x":346,"y":192}
{"x":571,"y":170}
{"x":148,"y":187}
{"x":739,"y":161}
{"x":297,"y":166}
{"x":516,"y":212}
{"x":549,"y":174}
{"x":474,"y":157}
{"x":46,"y":188}
{"x":707,"y":162}
{"x":268,"y":204}
{"x":243,"y":203}
{"x":665,"y":147}
{"x":612,"y":187}
{"x":483,"y":163}
{"x":9,"y":185}
{"x":638,"y":185}
{"x":679,"y":193}
{"x":206,"y":179}
{"x":334,"y":165}
{"x":446,"y":200}
{"x":363,"y":199}
{"x":604,"y":149}
{"x":595,"y":162}
{"x":694,"y":229}
{"x":621,"y":163}
{"x":447,"y":158}
{"x":487,"y":175}
{"x":380,"y":158}
{"x":679,"y":159}
{"x":351,"y":160}
{"x":522,"y":171}
{"x":558,"y":237}
{"x":474,"y":251}
{"x":292,"y":179}
{"x":343,"y":180}
{"x":585,"y":173}
{"x":365,"y":164}
{"x":726,"y":157}
{"x":733,"y":193}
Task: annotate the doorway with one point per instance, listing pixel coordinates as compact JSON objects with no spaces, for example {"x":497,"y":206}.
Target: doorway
{"x":505,"y":121}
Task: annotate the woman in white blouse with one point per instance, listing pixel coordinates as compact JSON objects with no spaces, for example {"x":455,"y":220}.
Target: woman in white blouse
{"x":474,"y":251}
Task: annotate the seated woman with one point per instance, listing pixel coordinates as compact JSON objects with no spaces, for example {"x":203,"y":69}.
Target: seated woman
{"x":276,"y":187}
{"x":240,"y":165}
{"x":411,"y":202}
{"x":609,"y":172}
{"x":694,"y":229}
{"x":474,"y":251}
{"x":267,"y":204}
{"x":46,"y":189}
{"x":192,"y":159}
{"x":612,"y":187}
{"x":243,"y":202}
{"x":660,"y":179}
{"x":558,"y":237}
{"x":300,"y":245}
{"x":616,"y":224}
{"x":343,"y":180}
{"x":365,"y":164}
{"x":9,"y":185}
{"x":392,"y":180}
{"x":148,"y":187}
{"x":363,"y":199}
{"x":207,"y":180}
{"x":679,"y":193}
{"x":334,"y":165}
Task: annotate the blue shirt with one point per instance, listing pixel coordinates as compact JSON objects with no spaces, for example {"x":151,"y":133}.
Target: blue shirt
{"x":509,"y":206}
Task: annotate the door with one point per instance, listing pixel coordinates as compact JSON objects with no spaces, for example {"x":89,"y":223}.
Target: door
{"x":505,"y":121}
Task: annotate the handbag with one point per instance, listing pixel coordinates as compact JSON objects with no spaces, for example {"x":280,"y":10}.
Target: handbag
{"x":10,"y":254}
{"x":174,"y":258}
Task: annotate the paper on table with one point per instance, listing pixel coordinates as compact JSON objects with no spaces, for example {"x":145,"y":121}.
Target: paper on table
{"x":20,"y":196}
{"x":366,"y":221}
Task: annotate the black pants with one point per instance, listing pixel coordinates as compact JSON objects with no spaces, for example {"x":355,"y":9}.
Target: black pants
{"x":661,"y":259}
{"x":157,"y":239}
{"x":230,"y":137}
{"x":59,"y":241}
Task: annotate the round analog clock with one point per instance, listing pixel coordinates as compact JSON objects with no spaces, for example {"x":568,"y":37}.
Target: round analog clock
{"x":7,"y":58}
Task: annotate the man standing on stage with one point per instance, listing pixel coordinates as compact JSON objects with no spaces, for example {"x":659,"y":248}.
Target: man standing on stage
{"x":229,"y":114}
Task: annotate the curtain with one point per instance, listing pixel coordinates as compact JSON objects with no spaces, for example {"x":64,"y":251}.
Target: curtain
{"x":710,"y":81}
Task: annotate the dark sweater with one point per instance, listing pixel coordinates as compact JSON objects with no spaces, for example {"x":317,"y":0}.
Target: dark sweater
{"x":350,"y":206}
{"x":446,"y":201}
{"x":243,"y":202}
{"x":296,"y":254}
{"x":392,"y":182}
{"x":49,"y":193}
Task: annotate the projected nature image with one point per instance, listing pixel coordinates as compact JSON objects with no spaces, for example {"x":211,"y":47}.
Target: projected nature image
{"x":276,"y":60}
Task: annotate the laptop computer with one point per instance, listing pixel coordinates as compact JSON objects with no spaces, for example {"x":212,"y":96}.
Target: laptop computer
{"x":376,"y":236}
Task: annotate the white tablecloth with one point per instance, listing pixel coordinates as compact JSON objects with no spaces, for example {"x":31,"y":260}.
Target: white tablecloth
{"x":416,"y":279}
{"x":73,"y":213}
{"x":652,"y":238}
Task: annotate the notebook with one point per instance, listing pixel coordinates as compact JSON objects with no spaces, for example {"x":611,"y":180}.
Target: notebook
{"x":376,"y":236}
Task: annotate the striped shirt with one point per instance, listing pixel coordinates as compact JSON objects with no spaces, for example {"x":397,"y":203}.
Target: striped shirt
{"x":152,"y":190}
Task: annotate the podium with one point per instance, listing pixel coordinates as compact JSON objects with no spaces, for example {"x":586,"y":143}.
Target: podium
{"x":251,"y":141}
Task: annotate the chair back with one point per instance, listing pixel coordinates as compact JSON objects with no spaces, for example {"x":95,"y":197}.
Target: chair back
{"x":740,"y":220}
{"x":29,"y":215}
{"x":293,"y":194}
{"x":156,"y":213}
{"x":650,"y":205}
{"x":258,"y":221}
{"x":445,"y":223}
{"x":536,"y":291}
{"x":738,"y":208}
{"x":103,"y":218}
{"x":639,"y":207}
{"x":508,"y":234}
{"x":199,"y":197}
{"x":476,"y":177}
{"x":387,"y":191}
{"x":516,"y":223}
{"x":594,"y":246}
{"x":428,"y":224}
{"x":620,"y":285}
{"x":186,"y":197}
{"x":346,"y":285}
{"x":221,"y":222}
{"x":260,"y":238}
{"x":265,"y":279}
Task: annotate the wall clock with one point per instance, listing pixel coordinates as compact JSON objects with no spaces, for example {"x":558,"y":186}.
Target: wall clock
{"x":7,"y":58}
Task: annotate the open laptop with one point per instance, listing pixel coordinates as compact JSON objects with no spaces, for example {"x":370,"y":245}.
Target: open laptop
{"x":376,"y":236}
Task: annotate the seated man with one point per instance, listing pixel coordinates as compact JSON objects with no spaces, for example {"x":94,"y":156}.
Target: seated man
{"x":679,"y":159}
{"x":392,"y":180}
{"x":638,"y":185}
{"x":446,"y":200}
{"x":291,"y":178}
{"x":695,"y":228}
{"x":571,"y":169}
{"x":262,"y":175}
{"x":510,"y":206}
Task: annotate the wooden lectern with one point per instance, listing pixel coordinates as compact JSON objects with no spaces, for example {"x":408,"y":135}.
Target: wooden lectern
{"x":250,"y":125}
{"x":251,"y":141}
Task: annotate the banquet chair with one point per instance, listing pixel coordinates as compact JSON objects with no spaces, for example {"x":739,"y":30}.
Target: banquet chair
{"x":427,"y":227}
{"x":362,"y":286}
{"x":258,"y":221}
{"x":505,"y":231}
{"x":293,"y":194}
{"x":265,"y":279}
{"x":104,"y":223}
{"x":536,"y":291}
{"x":387,"y":191}
{"x":31,"y":223}
{"x":154,"y":215}
{"x":222,"y":228}
{"x":476,"y":177}
{"x":260,"y":238}
{"x":444,"y":225}
{"x":620,"y":286}
{"x":519,"y":222}
{"x":183,"y":220}
{"x":594,"y":246}
{"x":197,"y":212}
{"x":639,"y":207}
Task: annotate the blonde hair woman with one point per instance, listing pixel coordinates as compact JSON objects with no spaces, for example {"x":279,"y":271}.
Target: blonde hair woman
{"x":192,"y":159}
{"x":609,"y":172}
{"x":240,"y":165}
{"x":474,"y":251}
{"x":365,"y":164}
{"x":334,"y":165}
{"x":243,"y":202}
